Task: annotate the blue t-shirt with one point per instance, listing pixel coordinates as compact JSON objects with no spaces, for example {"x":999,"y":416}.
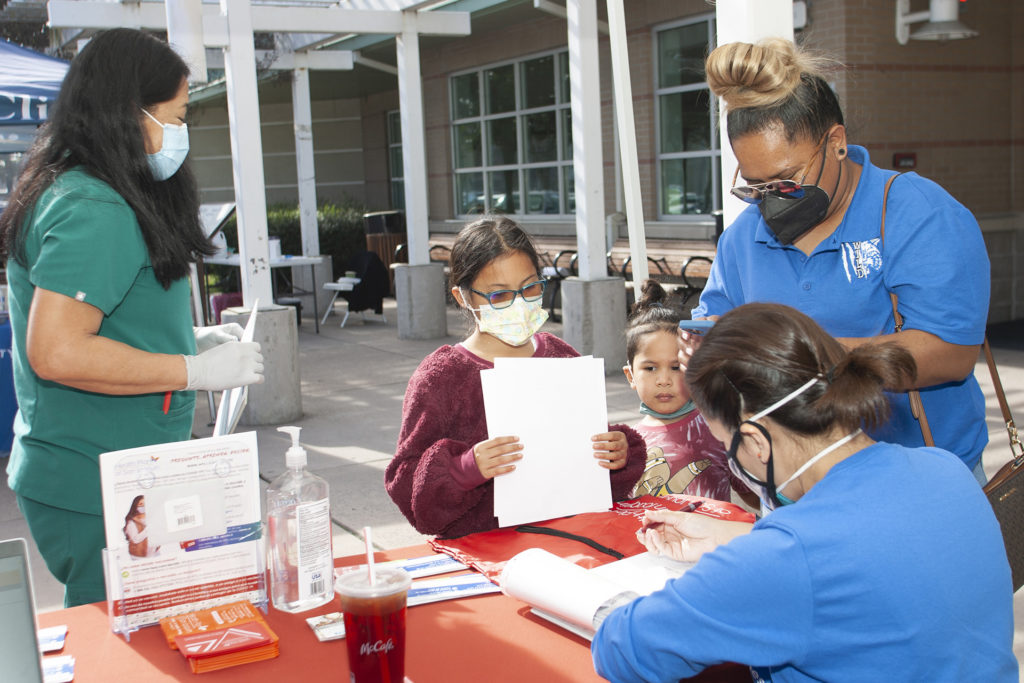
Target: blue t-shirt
{"x":843,"y":585}
{"x":933,"y":258}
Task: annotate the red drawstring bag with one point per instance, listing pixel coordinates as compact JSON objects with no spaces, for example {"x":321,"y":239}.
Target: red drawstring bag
{"x":589,"y":539}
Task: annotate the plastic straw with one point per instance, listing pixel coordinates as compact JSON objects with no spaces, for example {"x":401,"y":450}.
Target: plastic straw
{"x":369,"y":554}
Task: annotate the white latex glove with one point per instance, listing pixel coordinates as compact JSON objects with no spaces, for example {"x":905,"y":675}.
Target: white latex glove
{"x":229,"y":365}
{"x":215,"y":335}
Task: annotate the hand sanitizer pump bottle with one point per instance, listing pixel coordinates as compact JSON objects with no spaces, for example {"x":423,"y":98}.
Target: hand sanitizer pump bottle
{"x":299,"y":530}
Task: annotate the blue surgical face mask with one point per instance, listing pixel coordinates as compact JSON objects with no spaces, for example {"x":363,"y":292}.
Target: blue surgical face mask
{"x":173,"y":150}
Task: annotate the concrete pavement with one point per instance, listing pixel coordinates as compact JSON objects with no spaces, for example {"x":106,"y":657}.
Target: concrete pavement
{"x":353,"y":382}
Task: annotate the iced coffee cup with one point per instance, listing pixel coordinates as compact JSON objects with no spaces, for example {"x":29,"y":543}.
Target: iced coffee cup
{"x":374,"y":623}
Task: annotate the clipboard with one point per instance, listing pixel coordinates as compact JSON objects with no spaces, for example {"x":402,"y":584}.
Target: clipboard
{"x":233,"y":401}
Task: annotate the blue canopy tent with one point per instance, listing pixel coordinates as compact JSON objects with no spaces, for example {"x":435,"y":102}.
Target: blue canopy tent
{"x":29,"y":83}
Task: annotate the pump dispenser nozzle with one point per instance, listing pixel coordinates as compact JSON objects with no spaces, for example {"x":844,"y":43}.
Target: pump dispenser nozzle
{"x":296,"y":455}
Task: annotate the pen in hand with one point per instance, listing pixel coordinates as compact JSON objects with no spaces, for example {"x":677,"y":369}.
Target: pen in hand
{"x":692,"y":506}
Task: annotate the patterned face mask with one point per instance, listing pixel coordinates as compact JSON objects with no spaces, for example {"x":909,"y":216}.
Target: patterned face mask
{"x":514,"y":325}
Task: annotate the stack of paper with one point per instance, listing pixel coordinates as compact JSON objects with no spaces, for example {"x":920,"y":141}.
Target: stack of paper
{"x":570,"y":596}
{"x":220,"y":637}
{"x":554,"y":406}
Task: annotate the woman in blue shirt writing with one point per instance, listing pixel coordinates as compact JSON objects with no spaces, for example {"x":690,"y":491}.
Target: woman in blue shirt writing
{"x":839,"y":582}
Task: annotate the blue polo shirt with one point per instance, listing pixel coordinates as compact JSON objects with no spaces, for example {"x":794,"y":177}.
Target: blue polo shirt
{"x":933,"y":258}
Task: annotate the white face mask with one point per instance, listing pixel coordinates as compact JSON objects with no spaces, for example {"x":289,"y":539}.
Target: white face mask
{"x":514,"y":325}
{"x":173,"y":150}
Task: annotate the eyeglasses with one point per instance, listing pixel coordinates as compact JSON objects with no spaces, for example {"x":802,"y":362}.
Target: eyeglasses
{"x":503,"y":298}
{"x":786,"y":189}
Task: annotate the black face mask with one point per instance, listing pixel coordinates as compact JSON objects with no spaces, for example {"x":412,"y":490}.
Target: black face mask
{"x":788,"y":218}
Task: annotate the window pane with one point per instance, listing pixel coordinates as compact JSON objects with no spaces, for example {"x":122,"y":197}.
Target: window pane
{"x":501,"y":139}
{"x":566,"y":134}
{"x":398,"y":195}
{"x":504,"y":191}
{"x":685,"y":124}
{"x":395,"y":161}
{"x":466,"y":96}
{"x":469,"y":193}
{"x":541,"y":141}
{"x":467,"y":145}
{"x":563,"y":78}
{"x":681,"y":53}
{"x":538,"y":82}
{"x":570,"y":189}
{"x":394,"y":128}
{"x":542,"y":190}
{"x":500,"y":86}
{"x":686,"y":186}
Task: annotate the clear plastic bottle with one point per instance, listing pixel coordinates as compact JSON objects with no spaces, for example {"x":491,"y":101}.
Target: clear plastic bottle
{"x":299,"y":529}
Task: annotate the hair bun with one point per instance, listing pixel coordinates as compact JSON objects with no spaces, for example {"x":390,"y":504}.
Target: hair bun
{"x":759,"y":75}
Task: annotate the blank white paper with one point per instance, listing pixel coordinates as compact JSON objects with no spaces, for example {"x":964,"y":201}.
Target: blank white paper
{"x":554,"y":406}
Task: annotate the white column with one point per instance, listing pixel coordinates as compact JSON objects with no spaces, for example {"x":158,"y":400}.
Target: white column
{"x":623,"y":87}
{"x":587,"y":160}
{"x":302,"y":115}
{"x":745,"y":21}
{"x":414,"y":154}
{"x":185,"y":35}
{"x":247,"y":153}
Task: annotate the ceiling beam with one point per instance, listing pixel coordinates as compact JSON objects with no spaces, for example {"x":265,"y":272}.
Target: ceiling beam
{"x":151,"y":15}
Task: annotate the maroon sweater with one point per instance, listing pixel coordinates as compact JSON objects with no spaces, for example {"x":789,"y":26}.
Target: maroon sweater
{"x":433,"y":477}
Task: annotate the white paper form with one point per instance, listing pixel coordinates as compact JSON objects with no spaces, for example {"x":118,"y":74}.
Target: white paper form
{"x":232,"y":401}
{"x":554,"y":406}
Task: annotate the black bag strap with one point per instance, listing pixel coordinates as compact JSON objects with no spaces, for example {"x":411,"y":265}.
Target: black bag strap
{"x":547,"y":531}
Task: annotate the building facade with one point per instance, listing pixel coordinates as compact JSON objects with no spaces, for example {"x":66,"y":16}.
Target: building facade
{"x":498,"y":133}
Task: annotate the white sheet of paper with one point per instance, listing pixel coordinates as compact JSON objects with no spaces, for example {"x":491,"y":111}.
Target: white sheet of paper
{"x":232,"y":401}
{"x":554,"y":406}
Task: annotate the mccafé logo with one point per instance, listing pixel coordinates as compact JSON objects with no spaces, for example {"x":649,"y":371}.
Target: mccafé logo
{"x":377,"y":648}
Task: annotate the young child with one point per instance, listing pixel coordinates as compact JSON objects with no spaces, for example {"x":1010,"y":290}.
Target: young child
{"x":442,"y":472}
{"x":682,"y":455}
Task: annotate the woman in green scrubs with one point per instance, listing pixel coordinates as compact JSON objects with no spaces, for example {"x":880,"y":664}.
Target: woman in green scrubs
{"x":98,"y":236}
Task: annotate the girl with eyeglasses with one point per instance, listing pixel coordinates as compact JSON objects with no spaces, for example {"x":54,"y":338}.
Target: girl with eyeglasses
{"x":441,"y":476}
{"x":847,"y":579}
{"x":811,"y":238}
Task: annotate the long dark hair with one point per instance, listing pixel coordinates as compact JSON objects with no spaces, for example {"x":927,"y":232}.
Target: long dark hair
{"x":95,"y":125}
{"x":133,"y":510}
{"x":482,"y":241}
{"x":651,"y":313}
{"x":758,"y":353}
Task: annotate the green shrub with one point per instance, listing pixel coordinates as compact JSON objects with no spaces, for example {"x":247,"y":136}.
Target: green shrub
{"x":340,"y":227}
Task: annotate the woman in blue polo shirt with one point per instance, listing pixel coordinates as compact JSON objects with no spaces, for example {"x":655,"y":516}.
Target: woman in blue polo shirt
{"x":812,"y":239}
{"x":99,"y":236}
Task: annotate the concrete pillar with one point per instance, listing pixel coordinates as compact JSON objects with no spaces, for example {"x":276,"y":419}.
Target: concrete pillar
{"x":302,"y":280}
{"x":594,"y":319}
{"x":420,"y":293}
{"x":279,"y":399}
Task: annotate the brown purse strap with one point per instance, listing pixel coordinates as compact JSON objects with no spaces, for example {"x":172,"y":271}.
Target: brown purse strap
{"x":916,"y":406}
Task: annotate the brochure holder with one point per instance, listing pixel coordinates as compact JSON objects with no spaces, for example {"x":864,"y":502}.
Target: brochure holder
{"x":196,"y":538}
{"x":126,"y":615}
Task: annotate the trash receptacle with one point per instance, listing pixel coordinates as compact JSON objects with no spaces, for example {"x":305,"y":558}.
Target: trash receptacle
{"x":385,"y":230}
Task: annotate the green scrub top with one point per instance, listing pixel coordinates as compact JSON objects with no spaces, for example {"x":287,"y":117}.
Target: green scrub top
{"x":84,"y":241}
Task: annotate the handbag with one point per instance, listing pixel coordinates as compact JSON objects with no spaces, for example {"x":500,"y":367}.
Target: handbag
{"x":1005,"y":491}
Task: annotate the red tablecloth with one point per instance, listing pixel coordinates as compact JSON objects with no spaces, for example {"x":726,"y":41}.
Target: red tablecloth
{"x":486,"y":639}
